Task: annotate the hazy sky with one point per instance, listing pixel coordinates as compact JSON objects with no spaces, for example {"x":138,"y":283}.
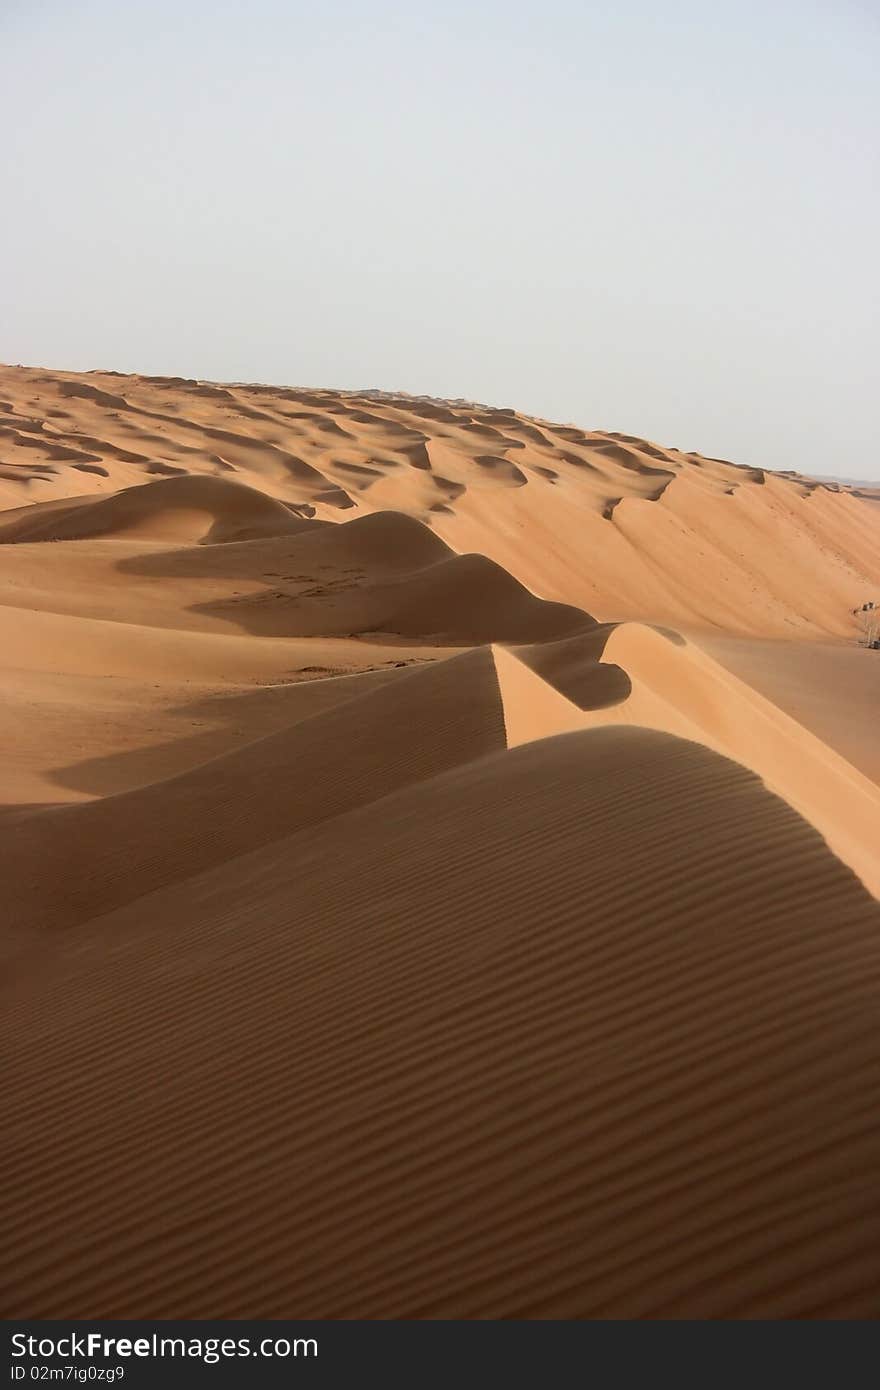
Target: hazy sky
{"x":660,"y":218}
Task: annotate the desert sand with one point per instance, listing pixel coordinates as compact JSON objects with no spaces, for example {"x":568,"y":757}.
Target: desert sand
{"x":440,"y":858}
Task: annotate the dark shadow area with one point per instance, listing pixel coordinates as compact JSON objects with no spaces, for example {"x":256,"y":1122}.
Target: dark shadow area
{"x":219,"y":724}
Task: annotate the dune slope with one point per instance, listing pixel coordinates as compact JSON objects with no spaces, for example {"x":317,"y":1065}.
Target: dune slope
{"x":511,"y":1042}
{"x":676,"y":687}
{"x":66,"y":864}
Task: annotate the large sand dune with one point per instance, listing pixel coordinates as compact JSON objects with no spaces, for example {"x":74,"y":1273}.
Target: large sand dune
{"x":440,"y":854}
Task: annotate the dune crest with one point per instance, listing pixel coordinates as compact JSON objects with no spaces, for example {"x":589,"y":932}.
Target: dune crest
{"x":679,"y":689}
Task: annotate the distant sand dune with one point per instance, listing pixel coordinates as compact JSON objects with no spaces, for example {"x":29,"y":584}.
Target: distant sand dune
{"x":189,"y":507}
{"x":620,"y":526}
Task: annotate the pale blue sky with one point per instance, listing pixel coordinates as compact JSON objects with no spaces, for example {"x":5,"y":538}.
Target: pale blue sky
{"x":656,"y":218}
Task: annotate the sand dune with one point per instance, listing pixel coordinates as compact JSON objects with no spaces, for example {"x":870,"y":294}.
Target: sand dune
{"x":66,"y":865}
{"x":183,"y":508}
{"x":440,"y":853}
{"x":386,"y":573}
{"x":514,"y":1042}
{"x":679,"y":689}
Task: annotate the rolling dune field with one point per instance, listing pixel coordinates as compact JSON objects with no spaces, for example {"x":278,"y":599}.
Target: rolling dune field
{"x":441,"y":859}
